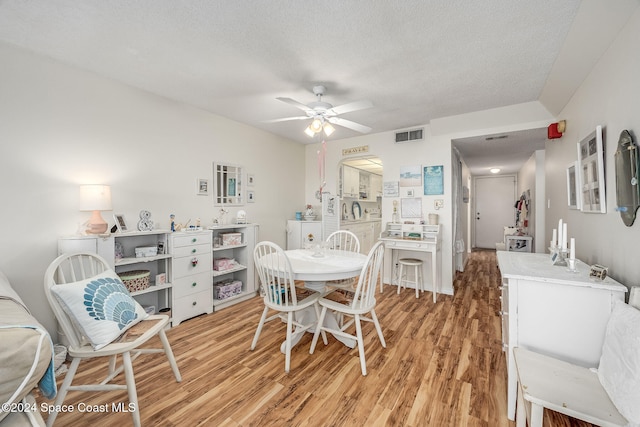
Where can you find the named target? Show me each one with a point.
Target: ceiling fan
(323, 114)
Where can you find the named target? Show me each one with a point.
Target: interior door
(495, 199)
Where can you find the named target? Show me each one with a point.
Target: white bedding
(26, 351)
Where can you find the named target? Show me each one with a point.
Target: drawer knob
(194, 240)
(194, 284)
(194, 261)
(194, 303)
(194, 250)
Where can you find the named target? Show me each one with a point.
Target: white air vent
(409, 135)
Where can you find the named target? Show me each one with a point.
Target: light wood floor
(443, 366)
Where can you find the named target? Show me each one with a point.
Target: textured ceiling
(416, 60)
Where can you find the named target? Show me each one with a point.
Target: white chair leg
(363, 363)
(170, 356)
(400, 271)
(113, 361)
(378, 328)
(259, 329)
(287, 346)
(62, 393)
(314, 341)
(131, 387)
(316, 306)
(416, 276)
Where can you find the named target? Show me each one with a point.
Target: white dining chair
(344, 240)
(91, 275)
(363, 303)
(279, 290)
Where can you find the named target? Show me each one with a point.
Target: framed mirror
(227, 185)
(627, 193)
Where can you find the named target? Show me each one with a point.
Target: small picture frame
(251, 179)
(202, 188)
(121, 223)
(161, 279)
(251, 198)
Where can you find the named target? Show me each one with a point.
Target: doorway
(495, 199)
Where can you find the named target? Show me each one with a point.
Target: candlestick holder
(571, 263)
(558, 256)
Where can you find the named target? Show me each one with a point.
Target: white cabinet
(552, 311)
(191, 274)
(119, 251)
(302, 233)
(367, 233)
(350, 182)
(375, 186)
(237, 258)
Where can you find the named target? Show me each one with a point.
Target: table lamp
(95, 198)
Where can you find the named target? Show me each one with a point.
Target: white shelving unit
(157, 295)
(242, 254)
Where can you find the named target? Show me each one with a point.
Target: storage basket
(227, 289)
(231, 239)
(136, 280)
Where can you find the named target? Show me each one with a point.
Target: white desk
(398, 237)
(552, 311)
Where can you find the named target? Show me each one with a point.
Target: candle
(560, 233)
(554, 238)
(572, 253)
(564, 236)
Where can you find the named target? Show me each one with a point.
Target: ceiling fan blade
(295, 104)
(352, 106)
(349, 124)
(286, 119)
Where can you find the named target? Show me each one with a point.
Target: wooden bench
(545, 382)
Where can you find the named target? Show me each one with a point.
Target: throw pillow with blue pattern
(100, 307)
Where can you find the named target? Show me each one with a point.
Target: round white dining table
(315, 267)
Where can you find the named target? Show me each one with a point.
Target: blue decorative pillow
(100, 307)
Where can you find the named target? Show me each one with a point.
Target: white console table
(550, 310)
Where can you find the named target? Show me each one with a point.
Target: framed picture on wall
(433, 180)
(573, 186)
(591, 173)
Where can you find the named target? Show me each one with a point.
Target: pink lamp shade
(95, 198)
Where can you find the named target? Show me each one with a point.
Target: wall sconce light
(95, 198)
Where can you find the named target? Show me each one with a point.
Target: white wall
(61, 127)
(393, 156)
(608, 97)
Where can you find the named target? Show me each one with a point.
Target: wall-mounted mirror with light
(627, 193)
(227, 185)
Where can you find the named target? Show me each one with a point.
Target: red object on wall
(553, 132)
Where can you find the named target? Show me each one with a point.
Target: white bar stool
(417, 274)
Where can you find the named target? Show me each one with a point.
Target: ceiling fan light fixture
(309, 131)
(328, 129)
(316, 125)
